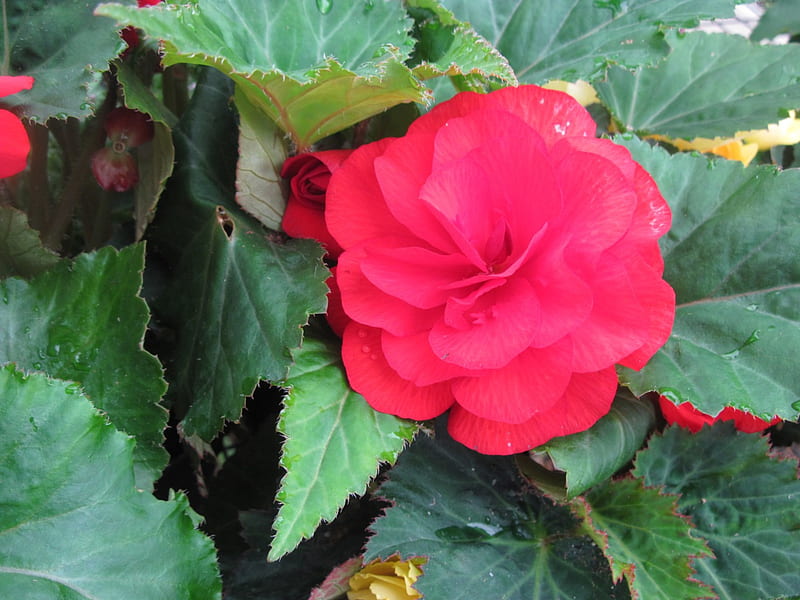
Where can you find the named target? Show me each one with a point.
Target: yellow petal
(386, 580)
(581, 90)
(785, 132)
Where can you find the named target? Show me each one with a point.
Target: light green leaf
(596, 454)
(731, 258)
(644, 539)
(314, 72)
(335, 443)
(262, 150)
(156, 159)
(484, 533)
(84, 321)
(21, 250)
(446, 46)
(578, 39)
(781, 17)
(73, 526)
(742, 502)
(710, 85)
(241, 301)
(65, 48)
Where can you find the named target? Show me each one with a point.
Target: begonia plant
(394, 299)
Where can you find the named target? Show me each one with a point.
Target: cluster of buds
(114, 167)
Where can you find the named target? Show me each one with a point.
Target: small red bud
(129, 127)
(114, 171)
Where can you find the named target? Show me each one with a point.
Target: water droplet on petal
(366, 349)
(362, 333)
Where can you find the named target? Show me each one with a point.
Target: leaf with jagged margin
(21, 251)
(242, 300)
(731, 257)
(484, 532)
(314, 72)
(710, 85)
(594, 455)
(73, 525)
(262, 150)
(84, 321)
(335, 443)
(446, 46)
(580, 38)
(740, 500)
(644, 539)
(65, 48)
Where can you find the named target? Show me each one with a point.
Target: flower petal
(411, 356)
(587, 398)
(384, 390)
(11, 84)
(495, 328)
(354, 209)
(14, 144)
(530, 384)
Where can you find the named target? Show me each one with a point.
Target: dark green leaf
(743, 503)
(334, 444)
(314, 72)
(483, 533)
(731, 258)
(578, 39)
(644, 539)
(596, 454)
(240, 300)
(73, 526)
(21, 250)
(84, 321)
(65, 47)
(710, 85)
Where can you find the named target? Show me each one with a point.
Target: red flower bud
(308, 176)
(128, 128)
(114, 171)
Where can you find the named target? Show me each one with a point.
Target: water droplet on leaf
(324, 6)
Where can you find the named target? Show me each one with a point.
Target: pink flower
(14, 142)
(308, 176)
(687, 416)
(498, 261)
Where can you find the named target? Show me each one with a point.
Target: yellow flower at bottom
(386, 580)
(785, 132)
(730, 148)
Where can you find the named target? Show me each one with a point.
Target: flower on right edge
(499, 261)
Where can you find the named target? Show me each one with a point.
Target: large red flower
(14, 143)
(498, 261)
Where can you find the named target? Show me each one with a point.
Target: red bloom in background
(308, 176)
(14, 142)
(498, 261)
(687, 416)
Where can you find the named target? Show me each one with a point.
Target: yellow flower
(582, 91)
(386, 580)
(785, 132)
(730, 148)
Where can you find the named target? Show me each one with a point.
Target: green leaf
(65, 48)
(578, 39)
(731, 258)
(742, 502)
(644, 539)
(262, 150)
(485, 535)
(446, 46)
(781, 16)
(84, 321)
(73, 526)
(314, 72)
(21, 250)
(155, 159)
(710, 85)
(335, 443)
(596, 454)
(240, 300)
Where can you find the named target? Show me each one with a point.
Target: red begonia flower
(114, 171)
(688, 417)
(128, 128)
(308, 176)
(498, 261)
(337, 319)
(14, 142)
